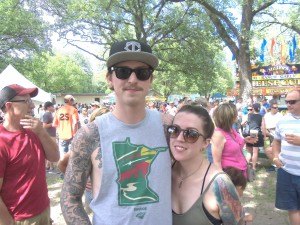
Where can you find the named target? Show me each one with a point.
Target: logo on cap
(133, 46)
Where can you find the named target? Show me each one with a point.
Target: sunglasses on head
(291, 102)
(189, 135)
(124, 73)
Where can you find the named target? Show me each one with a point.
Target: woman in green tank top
(201, 193)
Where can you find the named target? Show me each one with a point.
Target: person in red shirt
(24, 146)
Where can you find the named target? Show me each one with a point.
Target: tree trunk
(244, 70)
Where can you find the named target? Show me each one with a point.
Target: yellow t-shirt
(66, 122)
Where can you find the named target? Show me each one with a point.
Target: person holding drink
(286, 150)
(257, 130)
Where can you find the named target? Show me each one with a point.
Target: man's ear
(109, 81)
(7, 106)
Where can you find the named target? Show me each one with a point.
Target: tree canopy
(184, 41)
(22, 31)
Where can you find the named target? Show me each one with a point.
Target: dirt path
(258, 199)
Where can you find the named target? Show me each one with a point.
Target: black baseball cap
(48, 104)
(131, 50)
(9, 92)
(256, 106)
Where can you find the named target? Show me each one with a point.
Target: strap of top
(215, 176)
(205, 178)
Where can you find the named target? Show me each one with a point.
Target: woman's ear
(207, 142)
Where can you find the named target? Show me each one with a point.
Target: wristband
(274, 159)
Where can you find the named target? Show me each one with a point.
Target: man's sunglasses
(189, 135)
(124, 73)
(249, 109)
(291, 102)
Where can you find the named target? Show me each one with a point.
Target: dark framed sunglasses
(249, 109)
(291, 102)
(189, 135)
(124, 73)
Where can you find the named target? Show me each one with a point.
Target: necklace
(185, 177)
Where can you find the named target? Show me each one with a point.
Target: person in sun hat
(94, 105)
(124, 151)
(24, 146)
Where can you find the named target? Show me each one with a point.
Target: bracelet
(274, 159)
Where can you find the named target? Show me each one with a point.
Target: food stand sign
(279, 79)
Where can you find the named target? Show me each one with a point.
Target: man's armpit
(230, 207)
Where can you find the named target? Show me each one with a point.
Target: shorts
(41, 219)
(64, 147)
(287, 191)
(259, 143)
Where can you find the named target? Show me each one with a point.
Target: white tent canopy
(11, 76)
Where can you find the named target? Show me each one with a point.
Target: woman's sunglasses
(189, 135)
(124, 73)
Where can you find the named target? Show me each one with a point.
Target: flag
(283, 51)
(272, 47)
(294, 44)
(291, 51)
(262, 50)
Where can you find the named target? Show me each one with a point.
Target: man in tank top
(124, 151)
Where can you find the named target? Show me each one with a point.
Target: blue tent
(218, 95)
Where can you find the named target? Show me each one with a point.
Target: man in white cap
(24, 146)
(66, 121)
(125, 151)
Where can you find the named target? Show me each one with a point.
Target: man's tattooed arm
(230, 207)
(79, 167)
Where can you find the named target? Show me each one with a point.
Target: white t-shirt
(272, 119)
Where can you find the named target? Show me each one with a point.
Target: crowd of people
(143, 162)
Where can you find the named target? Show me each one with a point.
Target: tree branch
(263, 7)
(221, 15)
(86, 51)
(223, 33)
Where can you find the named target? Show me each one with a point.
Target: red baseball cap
(13, 90)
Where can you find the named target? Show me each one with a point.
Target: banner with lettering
(278, 79)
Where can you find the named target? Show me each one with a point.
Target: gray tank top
(196, 214)
(136, 180)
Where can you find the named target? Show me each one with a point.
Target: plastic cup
(253, 133)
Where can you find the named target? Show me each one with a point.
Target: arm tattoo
(231, 209)
(84, 143)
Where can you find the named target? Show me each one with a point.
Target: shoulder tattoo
(231, 210)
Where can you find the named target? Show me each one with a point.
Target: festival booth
(11, 76)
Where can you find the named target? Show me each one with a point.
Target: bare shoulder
(218, 137)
